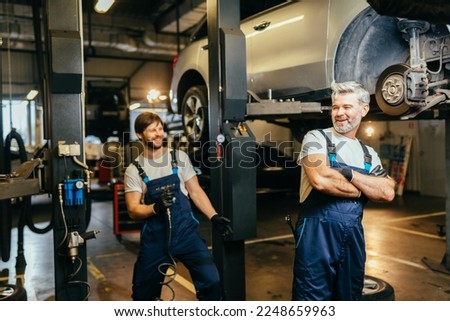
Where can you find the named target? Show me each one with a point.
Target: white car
(297, 48)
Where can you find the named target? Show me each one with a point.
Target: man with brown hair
(158, 188)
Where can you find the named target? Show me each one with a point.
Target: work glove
(222, 225)
(346, 172)
(378, 171)
(165, 201)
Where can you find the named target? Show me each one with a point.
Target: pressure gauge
(220, 138)
(79, 184)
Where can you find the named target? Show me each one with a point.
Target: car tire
(11, 292)
(194, 110)
(376, 289)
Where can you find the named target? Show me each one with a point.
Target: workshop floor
(404, 248)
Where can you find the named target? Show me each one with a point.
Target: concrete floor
(403, 245)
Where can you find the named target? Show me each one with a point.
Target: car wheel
(390, 90)
(10, 292)
(194, 111)
(376, 289)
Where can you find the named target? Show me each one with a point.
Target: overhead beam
(167, 22)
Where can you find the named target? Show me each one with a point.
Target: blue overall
(175, 236)
(330, 247)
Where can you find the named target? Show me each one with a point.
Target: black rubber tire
(194, 110)
(11, 292)
(376, 289)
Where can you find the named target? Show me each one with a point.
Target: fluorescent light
(134, 106)
(103, 6)
(32, 94)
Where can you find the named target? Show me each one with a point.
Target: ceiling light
(370, 131)
(152, 95)
(32, 94)
(134, 106)
(102, 6)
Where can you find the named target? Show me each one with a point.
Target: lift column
(65, 130)
(233, 172)
(446, 259)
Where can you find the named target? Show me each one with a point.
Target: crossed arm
(330, 181)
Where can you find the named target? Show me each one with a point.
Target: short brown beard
(152, 146)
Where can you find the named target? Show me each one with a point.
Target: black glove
(165, 201)
(346, 172)
(378, 171)
(222, 225)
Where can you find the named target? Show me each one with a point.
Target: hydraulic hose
(6, 214)
(28, 213)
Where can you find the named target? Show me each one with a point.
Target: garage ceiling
(134, 29)
(132, 36)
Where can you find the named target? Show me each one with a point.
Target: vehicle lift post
(232, 145)
(65, 123)
(446, 260)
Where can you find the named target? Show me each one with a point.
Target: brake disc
(390, 90)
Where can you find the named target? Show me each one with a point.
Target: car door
(286, 48)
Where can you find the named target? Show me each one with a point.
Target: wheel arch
(189, 79)
(369, 45)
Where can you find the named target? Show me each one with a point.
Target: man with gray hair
(339, 174)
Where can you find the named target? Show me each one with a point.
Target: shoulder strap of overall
(174, 162)
(141, 172)
(144, 176)
(331, 148)
(367, 158)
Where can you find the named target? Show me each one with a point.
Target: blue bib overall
(164, 237)
(330, 247)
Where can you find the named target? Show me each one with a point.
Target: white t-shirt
(157, 168)
(348, 151)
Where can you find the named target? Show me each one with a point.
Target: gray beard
(348, 127)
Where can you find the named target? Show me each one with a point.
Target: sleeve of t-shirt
(133, 182)
(187, 170)
(313, 143)
(375, 158)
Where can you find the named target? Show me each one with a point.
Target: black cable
(173, 265)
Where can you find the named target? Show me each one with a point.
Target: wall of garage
(19, 74)
(141, 76)
(426, 167)
(133, 78)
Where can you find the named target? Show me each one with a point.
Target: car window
(252, 7)
(249, 8)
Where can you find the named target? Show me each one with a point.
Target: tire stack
(10, 292)
(376, 289)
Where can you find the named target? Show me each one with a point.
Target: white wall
(272, 135)
(432, 157)
(426, 169)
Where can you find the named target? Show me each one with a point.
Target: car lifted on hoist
(295, 49)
